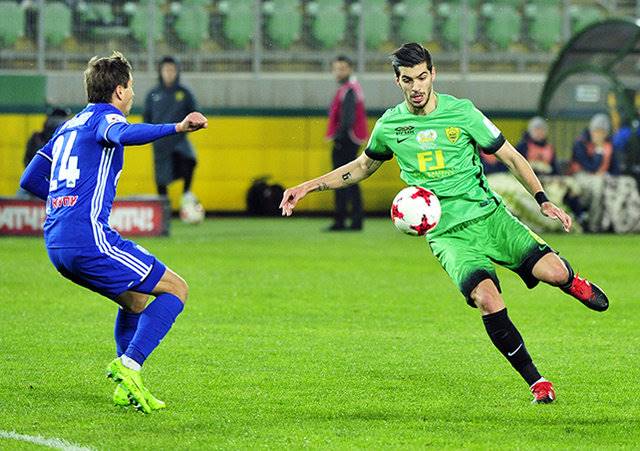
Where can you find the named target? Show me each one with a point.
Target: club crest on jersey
(427, 138)
(453, 134)
(179, 96)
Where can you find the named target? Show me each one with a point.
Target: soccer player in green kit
(436, 139)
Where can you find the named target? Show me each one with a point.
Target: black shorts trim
(473, 280)
(525, 270)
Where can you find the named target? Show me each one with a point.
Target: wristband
(541, 197)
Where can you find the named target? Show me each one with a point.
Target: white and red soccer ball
(415, 211)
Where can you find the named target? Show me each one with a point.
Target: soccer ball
(415, 211)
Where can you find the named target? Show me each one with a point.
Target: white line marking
(49, 442)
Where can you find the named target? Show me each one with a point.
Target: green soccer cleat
(131, 381)
(154, 403)
(121, 398)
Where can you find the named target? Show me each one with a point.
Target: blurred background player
(173, 156)
(475, 229)
(77, 172)
(347, 128)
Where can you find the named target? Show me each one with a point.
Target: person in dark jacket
(347, 128)
(174, 156)
(55, 117)
(593, 151)
(537, 149)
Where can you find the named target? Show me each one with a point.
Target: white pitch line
(55, 443)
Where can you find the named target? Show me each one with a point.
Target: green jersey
(440, 152)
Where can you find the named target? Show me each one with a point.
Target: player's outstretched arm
(521, 169)
(121, 132)
(192, 122)
(349, 174)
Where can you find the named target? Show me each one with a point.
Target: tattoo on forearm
(322, 187)
(346, 176)
(372, 165)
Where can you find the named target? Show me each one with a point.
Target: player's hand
(192, 122)
(290, 198)
(550, 210)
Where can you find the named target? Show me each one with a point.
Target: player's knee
(487, 299)
(556, 273)
(181, 289)
(138, 305)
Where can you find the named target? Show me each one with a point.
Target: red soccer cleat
(543, 392)
(588, 293)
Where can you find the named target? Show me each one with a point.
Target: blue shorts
(122, 266)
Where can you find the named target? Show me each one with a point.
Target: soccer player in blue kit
(77, 172)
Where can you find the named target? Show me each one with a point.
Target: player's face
(417, 86)
(127, 97)
(169, 73)
(341, 71)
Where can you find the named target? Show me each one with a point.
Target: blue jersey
(86, 156)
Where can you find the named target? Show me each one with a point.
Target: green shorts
(468, 251)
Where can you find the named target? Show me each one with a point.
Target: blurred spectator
(491, 164)
(626, 148)
(348, 129)
(535, 147)
(593, 150)
(174, 156)
(55, 117)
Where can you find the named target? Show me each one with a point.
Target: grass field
(294, 338)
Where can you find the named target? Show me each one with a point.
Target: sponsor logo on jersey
(404, 133)
(427, 138)
(453, 134)
(113, 118)
(63, 201)
(407, 130)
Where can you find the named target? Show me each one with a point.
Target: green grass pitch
(293, 338)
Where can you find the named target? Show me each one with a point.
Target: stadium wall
(232, 152)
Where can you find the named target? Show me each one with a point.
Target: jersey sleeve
(377, 148)
(483, 131)
(35, 178)
(105, 123)
(114, 129)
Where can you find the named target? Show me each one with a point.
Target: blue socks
(126, 325)
(155, 321)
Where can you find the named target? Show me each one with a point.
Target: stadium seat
(377, 23)
(192, 25)
(284, 23)
(329, 22)
(140, 24)
(96, 12)
(545, 24)
(583, 16)
(12, 23)
(57, 23)
(239, 21)
(452, 31)
(503, 23)
(415, 21)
